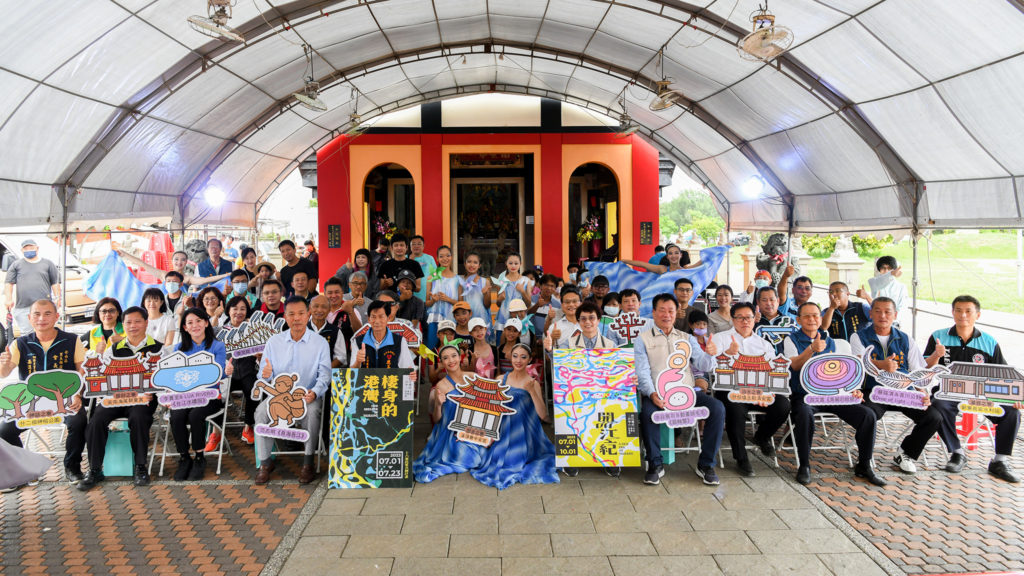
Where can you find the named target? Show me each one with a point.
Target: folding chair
(908, 424)
(751, 415)
(824, 419)
(164, 420)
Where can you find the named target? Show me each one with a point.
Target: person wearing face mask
(887, 270)
(611, 306)
(630, 303)
(173, 281)
(240, 287)
(762, 279)
(35, 278)
(698, 322)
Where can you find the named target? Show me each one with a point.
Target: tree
(688, 209)
(13, 397)
(56, 385)
(707, 228)
(667, 226)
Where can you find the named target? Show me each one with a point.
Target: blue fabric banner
(648, 284)
(113, 278)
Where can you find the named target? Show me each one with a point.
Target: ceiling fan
(626, 125)
(355, 121)
(666, 97)
(214, 24)
(310, 94)
(766, 41)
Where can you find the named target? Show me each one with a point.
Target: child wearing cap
(510, 337)
(481, 355)
(462, 313)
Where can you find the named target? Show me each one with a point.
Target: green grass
(983, 265)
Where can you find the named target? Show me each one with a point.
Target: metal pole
(1020, 263)
(913, 286)
(64, 257)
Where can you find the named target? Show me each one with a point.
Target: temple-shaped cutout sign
(752, 379)
(481, 407)
(675, 387)
(120, 381)
(286, 406)
(400, 327)
(43, 399)
(980, 388)
(251, 336)
(830, 379)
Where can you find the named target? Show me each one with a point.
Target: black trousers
(140, 420)
(860, 416)
(926, 424)
(245, 384)
(736, 421)
(195, 419)
(1007, 426)
(325, 419)
(73, 446)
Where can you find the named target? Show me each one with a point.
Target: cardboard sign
(899, 389)
(371, 429)
(482, 405)
(627, 325)
(752, 379)
(286, 406)
(187, 379)
(774, 334)
(830, 379)
(401, 328)
(250, 337)
(980, 388)
(43, 399)
(675, 386)
(120, 381)
(596, 420)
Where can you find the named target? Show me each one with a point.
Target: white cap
(517, 305)
(514, 323)
(446, 325)
(474, 322)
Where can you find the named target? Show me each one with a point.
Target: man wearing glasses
(741, 339)
(684, 293)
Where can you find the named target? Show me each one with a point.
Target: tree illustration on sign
(56, 385)
(14, 397)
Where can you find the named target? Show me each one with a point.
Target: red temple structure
(481, 406)
(119, 375)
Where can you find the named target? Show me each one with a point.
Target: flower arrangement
(384, 227)
(589, 230)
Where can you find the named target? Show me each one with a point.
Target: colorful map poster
(596, 422)
(371, 428)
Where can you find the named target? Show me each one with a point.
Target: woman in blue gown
(476, 290)
(523, 454)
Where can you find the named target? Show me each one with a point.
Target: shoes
(613, 471)
(570, 471)
(263, 474)
(214, 442)
(905, 463)
(141, 475)
(306, 474)
(745, 468)
(247, 435)
(184, 468)
(865, 471)
(91, 479)
(707, 474)
(9, 490)
(803, 475)
(198, 467)
(956, 463)
(765, 446)
(654, 474)
(1002, 471)
(73, 476)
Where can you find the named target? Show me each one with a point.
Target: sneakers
(803, 475)
(91, 479)
(141, 475)
(247, 435)
(956, 463)
(745, 468)
(214, 442)
(654, 474)
(707, 474)
(613, 471)
(865, 471)
(198, 467)
(73, 476)
(184, 468)
(1002, 471)
(905, 463)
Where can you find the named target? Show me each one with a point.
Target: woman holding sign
(195, 335)
(444, 453)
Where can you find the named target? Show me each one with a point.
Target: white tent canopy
(884, 114)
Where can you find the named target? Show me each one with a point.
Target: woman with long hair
(188, 425)
(721, 320)
(442, 293)
(108, 329)
(675, 259)
(516, 286)
(161, 326)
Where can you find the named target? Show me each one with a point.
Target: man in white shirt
(741, 339)
(565, 327)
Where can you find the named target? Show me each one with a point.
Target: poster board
(372, 412)
(595, 414)
(43, 399)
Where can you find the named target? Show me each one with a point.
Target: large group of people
(498, 328)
